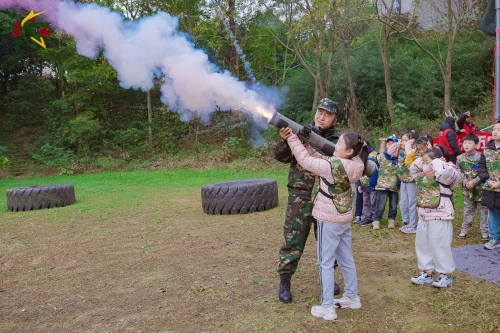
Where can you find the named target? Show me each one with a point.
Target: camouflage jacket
(403, 169)
(429, 192)
(387, 174)
(470, 171)
(493, 165)
(365, 180)
(340, 192)
(300, 181)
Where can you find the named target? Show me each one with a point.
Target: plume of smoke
(152, 47)
(248, 68)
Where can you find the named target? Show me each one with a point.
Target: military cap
(329, 105)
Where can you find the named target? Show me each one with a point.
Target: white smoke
(152, 47)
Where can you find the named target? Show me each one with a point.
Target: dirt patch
(160, 264)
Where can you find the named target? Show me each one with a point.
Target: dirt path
(161, 265)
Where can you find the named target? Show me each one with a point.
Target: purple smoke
(152, 47)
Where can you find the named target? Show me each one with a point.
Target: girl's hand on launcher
(286, 133)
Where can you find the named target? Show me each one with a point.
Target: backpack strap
(327, 183)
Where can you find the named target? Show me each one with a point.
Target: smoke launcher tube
(314, 140)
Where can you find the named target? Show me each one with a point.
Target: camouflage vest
(340, 192)
(470, 171)
(403, 170)
(387, 174)
(493, 165)
(365, 180)
(429, 194)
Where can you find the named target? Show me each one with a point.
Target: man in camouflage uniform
(472, 186)
(299, 217)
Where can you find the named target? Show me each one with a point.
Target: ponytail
(359, 144)
(445, 152)
(438, 152)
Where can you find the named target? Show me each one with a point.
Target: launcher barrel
(314, 140)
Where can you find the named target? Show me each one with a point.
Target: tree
(385, 6)
(311, 29)
(446, 17)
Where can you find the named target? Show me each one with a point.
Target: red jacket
(443, 140)
(462, 124)
(471, 129)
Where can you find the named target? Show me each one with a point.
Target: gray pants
(408, 204)
(334, 243)
(369, 201)
(469, 213)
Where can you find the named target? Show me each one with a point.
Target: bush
(4, 161)
(51, 156)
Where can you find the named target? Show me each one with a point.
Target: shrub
(51, 156)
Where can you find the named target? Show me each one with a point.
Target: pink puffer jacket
(448, 174)
(324, 209)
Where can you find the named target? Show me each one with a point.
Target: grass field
(136, 253)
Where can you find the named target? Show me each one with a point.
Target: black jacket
(452, 139)
(491, 199)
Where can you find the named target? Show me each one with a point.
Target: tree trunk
(353, 108)
(316, 94)
(150, 119)
(232, 49)
(447, 74)
(387, 76)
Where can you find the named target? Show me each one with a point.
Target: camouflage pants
(470, 213)
(298, 223)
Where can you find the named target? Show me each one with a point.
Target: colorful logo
(26, 30)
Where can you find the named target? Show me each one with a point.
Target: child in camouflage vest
(387, 184)
(408, 203)
(472, 186)
(366, 186)
(489, 172)
(333, 208)
(435, 230)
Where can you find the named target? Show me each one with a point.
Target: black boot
(285, 294)
(336, 289)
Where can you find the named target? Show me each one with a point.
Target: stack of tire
(40, 197)
(239, 196)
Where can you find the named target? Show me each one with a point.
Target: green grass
(107, 190)
(136, 251)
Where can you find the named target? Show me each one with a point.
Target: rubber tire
(239, 196)
(40, 197)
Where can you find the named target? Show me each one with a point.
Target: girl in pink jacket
(435, 208)
(333, 203)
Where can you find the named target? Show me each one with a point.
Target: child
(367, 187)
(387, 184)
(435, 208)
(332, 200)
(359, 207)
(489, 172)
(422, 144)
(408, 203)
(472, 186)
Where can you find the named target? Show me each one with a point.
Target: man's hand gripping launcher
(308, 135)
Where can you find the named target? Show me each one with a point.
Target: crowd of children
(426, 177)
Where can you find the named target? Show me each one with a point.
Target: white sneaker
(347, 302)
(409, 230)
(325, 313)
(443, 281)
